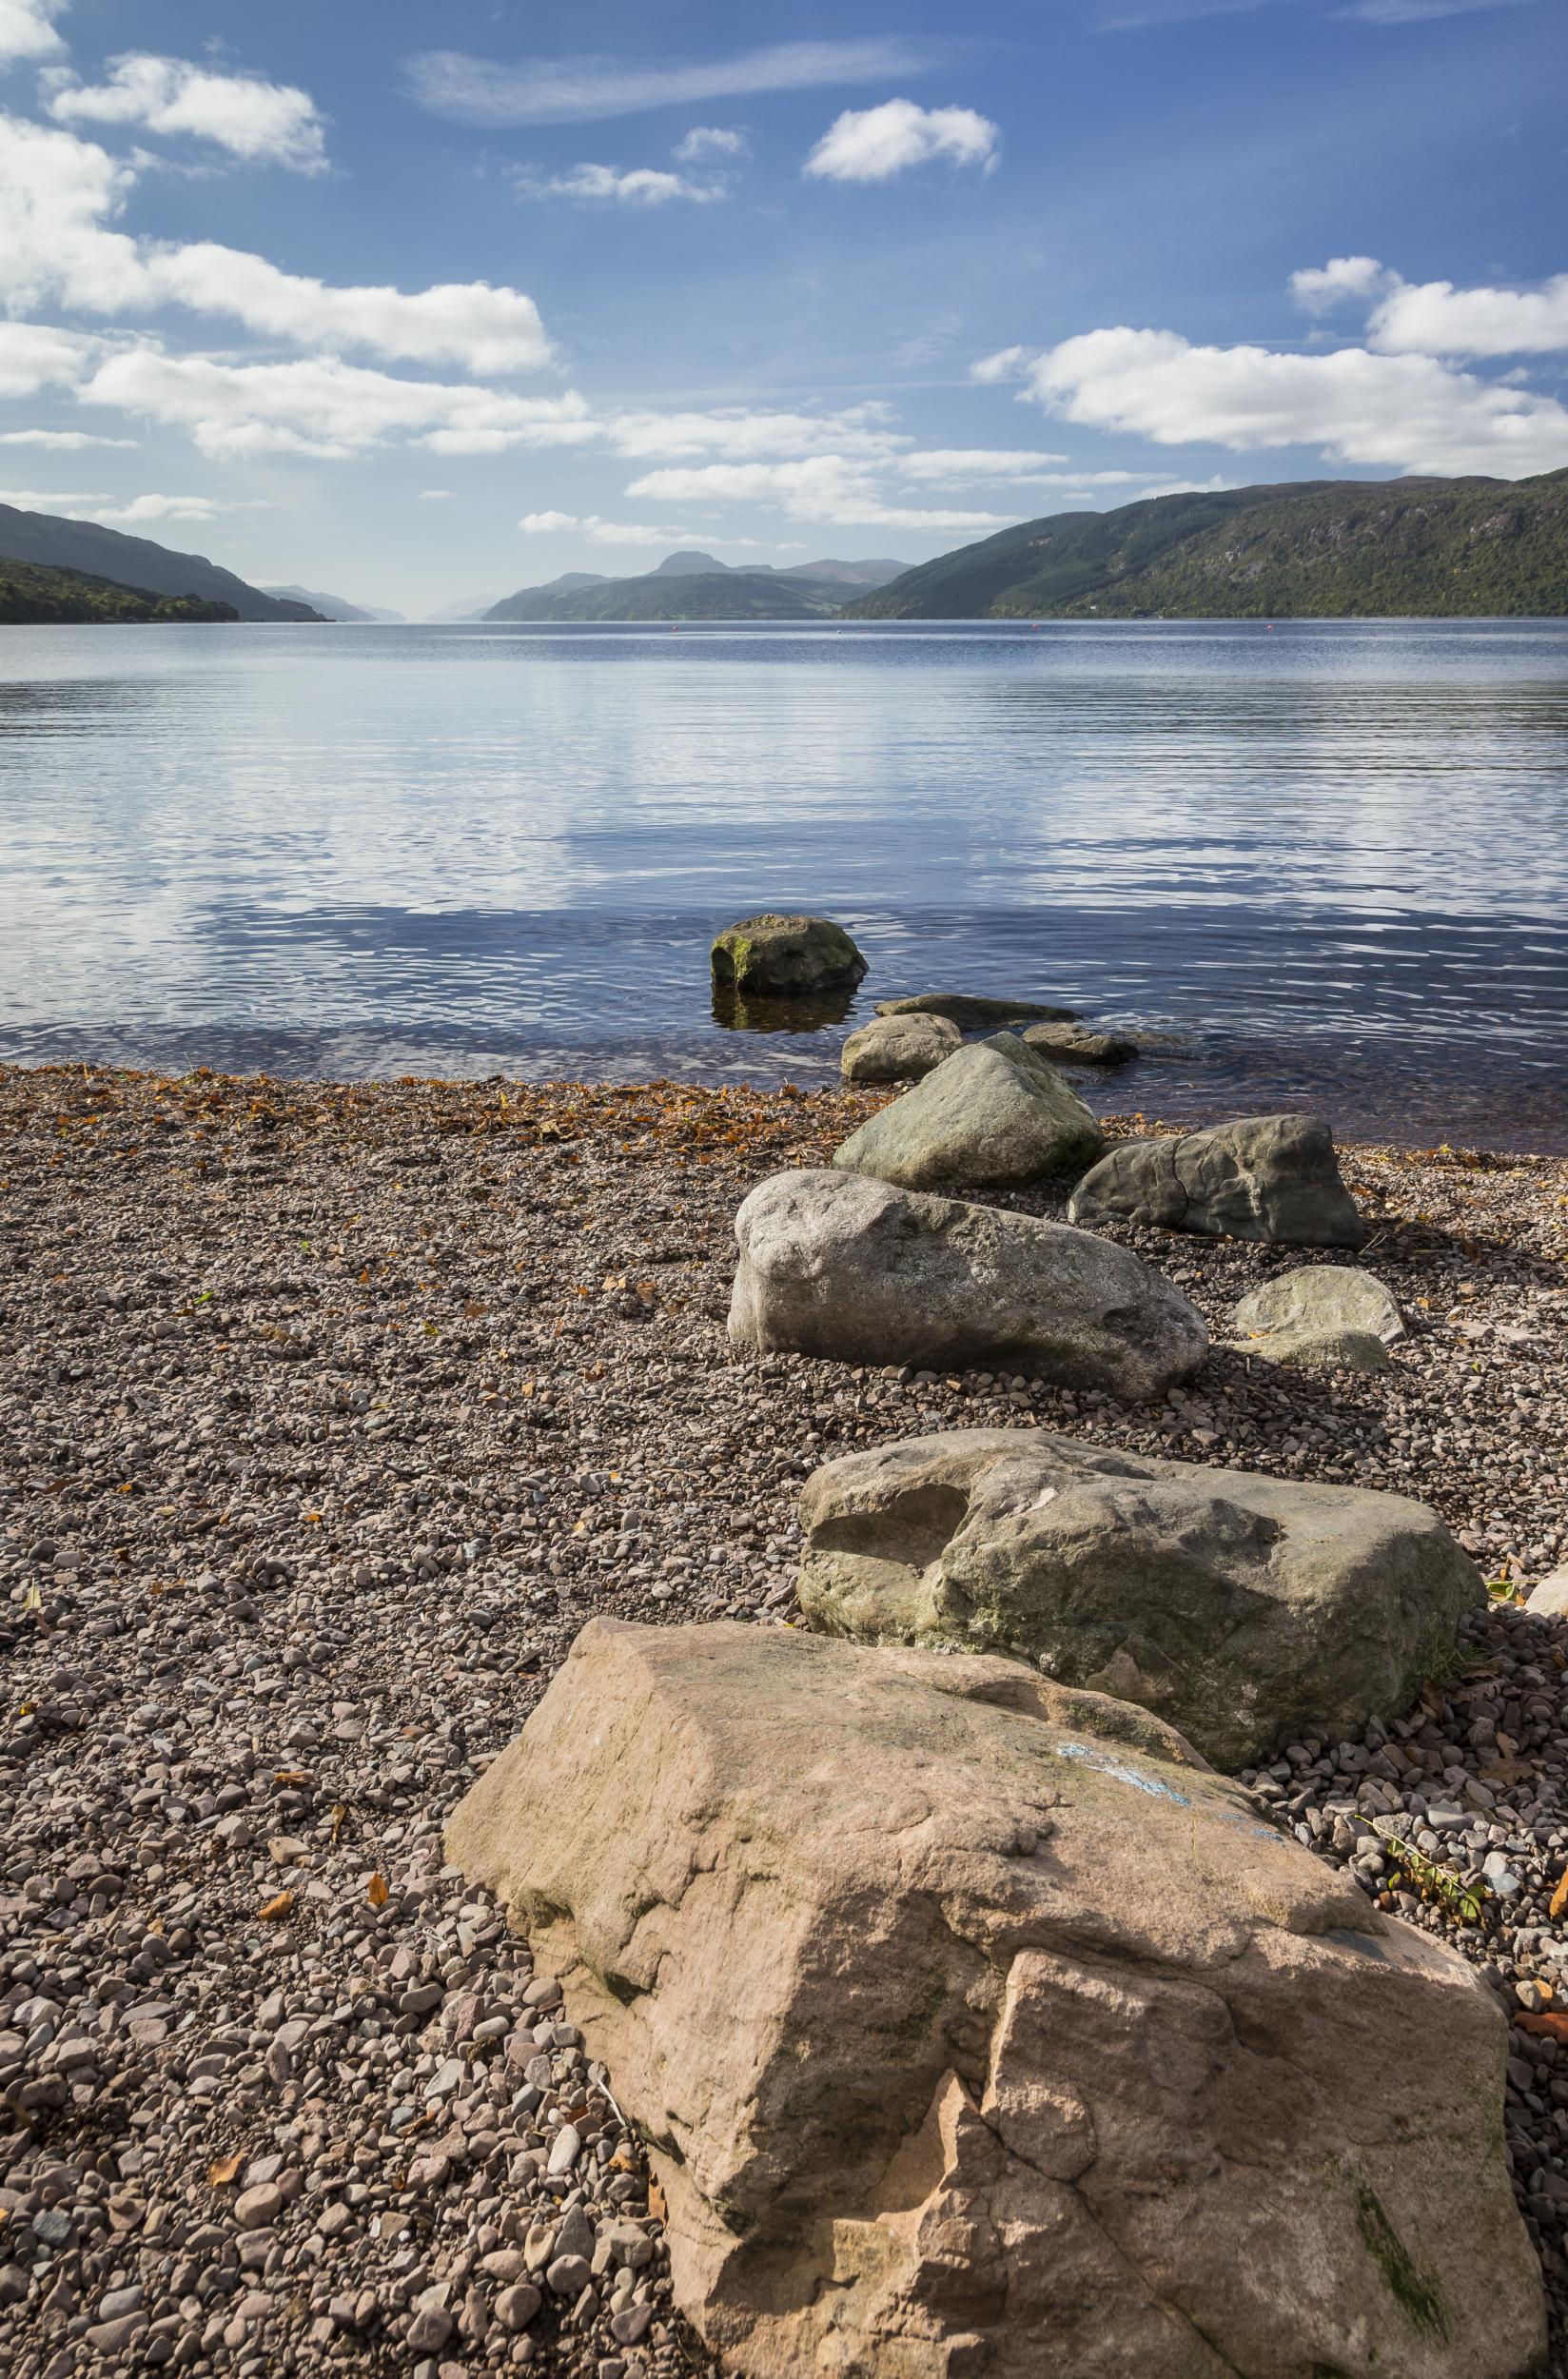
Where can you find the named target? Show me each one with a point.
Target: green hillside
(727, 595)
(30, 593)
(1308, 549)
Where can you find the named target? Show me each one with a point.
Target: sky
(419, 306)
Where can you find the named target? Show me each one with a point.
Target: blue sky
(413, 303)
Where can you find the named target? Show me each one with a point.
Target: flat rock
(839, 1264)
(1245, 1610)
(971, 1012)
(1266, 1178)
(974, 2029)
(991, 1117)
(1317, 1349)
(1549, 1599)
(897, 1049)
(777, 957)
(1322, 1297)
(1074, 1045)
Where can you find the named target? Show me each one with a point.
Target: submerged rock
(974, 2029)
(839, 1264)
(1244, 1610)
(991, 1117)
(972, 1012)
(777, 957)
(897, 1049)
(1268, 1177)
(1074, 1045)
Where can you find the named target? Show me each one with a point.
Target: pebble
(330, 1396)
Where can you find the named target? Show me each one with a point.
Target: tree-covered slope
(728, 595)
(30, 594)
(1308, 549)
(50, 542)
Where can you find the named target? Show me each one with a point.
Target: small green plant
(1431, 1883)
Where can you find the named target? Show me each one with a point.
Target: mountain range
(1307, 550)
(696, 586)
(52, 542)
(32, 596)
(333, 607)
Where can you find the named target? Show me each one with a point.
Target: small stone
(516, 2306)
(258, 2208)
(568, 2276)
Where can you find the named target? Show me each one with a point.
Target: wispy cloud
(1421, 11)
(710, 140)
(60, 441)
(586, 88)
(612, 185)
(601, 532)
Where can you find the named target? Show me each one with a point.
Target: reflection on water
(1329, 861)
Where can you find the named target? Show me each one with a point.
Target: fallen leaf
(227, 2169)
(658, 2205)
(376, 1891)
(1559, 1898)
(1543, 2027)
(276, 1910)
(340, 1811)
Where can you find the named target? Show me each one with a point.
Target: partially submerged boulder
(1268, 1177)
(1075, 1045)
(972, 1012)
(1245, 1610)
(991, 1117)
(974, 2030)
(897, 1049)
(782, 957)
(839, 1264)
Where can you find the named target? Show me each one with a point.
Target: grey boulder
(972, 1011)
(783, 957)
(1266, 1178)
(839, 1264)
(1323, 1298)
(991, 1117)
(897, 1049)
(1243, 1610)
(1075, 1045)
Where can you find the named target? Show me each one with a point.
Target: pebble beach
(329, 1414)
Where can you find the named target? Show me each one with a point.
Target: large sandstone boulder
(977, 2033)
(785, 957)
(1245, 1610)
(1269, 1177)
(991, 1117)
(972, 1011)
(897, 1049)
(838, 1265)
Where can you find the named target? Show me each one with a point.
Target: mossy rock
(786, 957)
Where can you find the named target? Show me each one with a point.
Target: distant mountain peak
(688, 565)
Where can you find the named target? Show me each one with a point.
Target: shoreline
(335, 1411)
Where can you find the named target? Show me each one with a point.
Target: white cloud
(740, 434)
(1435, 318)
(950, 467)
(60, 441)
(585, 89)
(872, 144)
(49, 499)
(27, 30)
(601, 532)
(708, 139)
(263, 122)
(643, 186)
(136, 511)
(34, 357)
(1408, 412)
(1324, 286)
(58, 193)
(319, 406)
(1006, 364)
(547, 523)
(1418, 12)
(821, 487)
(435, 494)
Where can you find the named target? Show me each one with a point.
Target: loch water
(1326, 861)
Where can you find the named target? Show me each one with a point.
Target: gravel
(330, 1413)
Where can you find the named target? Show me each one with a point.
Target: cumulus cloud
(950, 467)
(33, 355)
(60, 441)
(1435, 318)
(263, 122)
(872, 144)
(585, 89)
(820, 487)
(322, 407)
(601, 532)
(27, 30)
(708, 139)
(643, 185)
(1408, 412)
(58, 195)
(1324, 286)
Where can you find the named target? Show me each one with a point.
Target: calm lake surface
(1329, 860)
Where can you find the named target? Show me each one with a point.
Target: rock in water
(897, 1049)
(838, 1265)
(1322, 1297)
(972, 1012)
(1245, 1610)
(786, 957)
(1270, 1177)
(992, 1116)
(1074, 1044)
(974, 2030)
